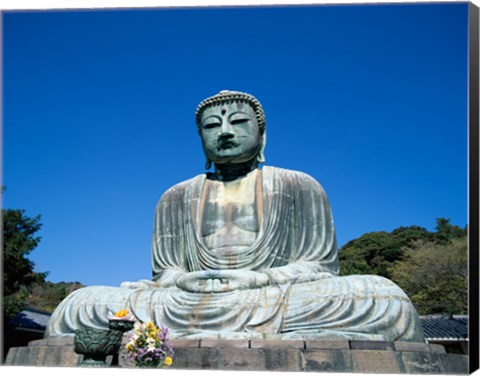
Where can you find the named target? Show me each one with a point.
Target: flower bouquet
(148, 346)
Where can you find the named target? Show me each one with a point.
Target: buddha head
(232, 127)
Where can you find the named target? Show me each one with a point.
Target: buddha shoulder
(300, 180)
(178, 191)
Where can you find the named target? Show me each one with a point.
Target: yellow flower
(121, 313)
(150, 326)
(168, 361)
(138, 327)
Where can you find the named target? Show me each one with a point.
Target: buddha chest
(229, 219)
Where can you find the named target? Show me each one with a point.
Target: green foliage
(14, 303)
(447, 232)
(434, 276)
(375, 252)
(47, 295)
(18, 271)
(430, 267)
(22, 286)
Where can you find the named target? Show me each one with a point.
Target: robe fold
(295, 247)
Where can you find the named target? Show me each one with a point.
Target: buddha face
(230, 133)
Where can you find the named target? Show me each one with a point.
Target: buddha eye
(211, 121)
(212, 124)
(239, 120)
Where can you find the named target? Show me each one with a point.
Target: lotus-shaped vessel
(95, 345)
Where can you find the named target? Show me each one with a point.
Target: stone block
(281, 359)
(35, 355)
(11, 355)
(421, 362)
(38, 342)
(61, 357)
(454, 363)
(371, 345)
(375, 361)
(437, 348)
(239, 359)
(60, 341)
(412, 346)
(192, 358)
(185, 343)
(327, 345)
(54, 341)
(284, 344)
(218, 359)
(223, 343)
(327, 361)
(19, 356)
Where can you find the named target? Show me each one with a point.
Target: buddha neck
(229, 172)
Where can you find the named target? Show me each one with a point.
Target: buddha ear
(261, 154)
(208, 164)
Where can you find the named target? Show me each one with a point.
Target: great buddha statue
(246, 252)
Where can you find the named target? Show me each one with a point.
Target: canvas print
(149, 222)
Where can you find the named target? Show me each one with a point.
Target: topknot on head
(228, 96)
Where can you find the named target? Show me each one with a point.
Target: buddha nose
(226, 130)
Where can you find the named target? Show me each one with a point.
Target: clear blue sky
(99, 117)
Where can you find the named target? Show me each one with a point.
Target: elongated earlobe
(261, 152)
(208, 164)
(260, 157)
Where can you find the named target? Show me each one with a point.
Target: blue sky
(98, 116)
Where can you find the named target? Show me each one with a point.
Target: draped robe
(295, 247)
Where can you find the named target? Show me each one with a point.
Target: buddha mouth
(228, 144)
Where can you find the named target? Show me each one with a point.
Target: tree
(434, 276)
(431, 267)
(19, 240)
(365, 254)
(446, 232)
(47, 295)
(376, 252)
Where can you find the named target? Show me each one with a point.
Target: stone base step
(256, 355)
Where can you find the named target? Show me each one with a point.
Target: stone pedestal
(256, 355)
